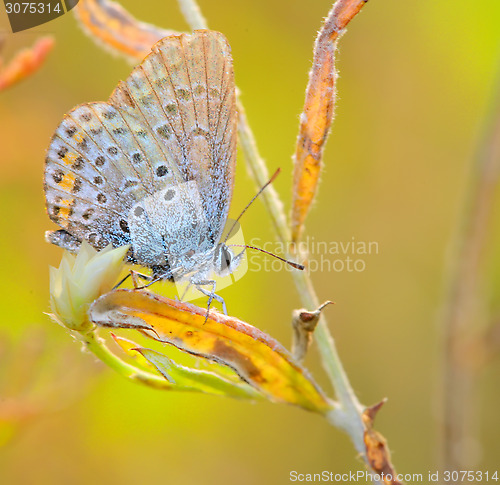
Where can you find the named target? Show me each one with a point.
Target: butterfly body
(153, 166)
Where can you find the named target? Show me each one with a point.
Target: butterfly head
(226, 260)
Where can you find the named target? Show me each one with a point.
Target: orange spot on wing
(65, 212)
(78, 137)
(68, 182)
(70, 158)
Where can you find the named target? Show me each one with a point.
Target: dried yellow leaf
(256, 357)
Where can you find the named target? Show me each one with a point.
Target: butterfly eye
(226, 258)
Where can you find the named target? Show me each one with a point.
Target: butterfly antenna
(270, 181)
(291, 263)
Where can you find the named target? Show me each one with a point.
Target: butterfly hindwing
(94, 173)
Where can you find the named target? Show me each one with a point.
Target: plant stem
(258, 171)
(350, 408)
(463, 280)
(348, 415)
(192, 14)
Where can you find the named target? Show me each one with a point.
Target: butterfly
(153, 166)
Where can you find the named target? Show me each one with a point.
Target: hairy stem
(459, 323)
(348, 414)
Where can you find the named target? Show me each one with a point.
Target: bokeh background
(416, 84)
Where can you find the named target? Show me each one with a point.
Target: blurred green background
(416, 83)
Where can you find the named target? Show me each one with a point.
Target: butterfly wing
(173, 120)
(94, 170)
(184, 92)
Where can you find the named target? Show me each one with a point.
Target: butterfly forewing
(184, 92)
(172, 121)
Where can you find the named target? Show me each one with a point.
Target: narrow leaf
(25, 62)
(377, 450)
(130, 348)
(317, 117)
(257, 358)
(111, 26)
(195, 379)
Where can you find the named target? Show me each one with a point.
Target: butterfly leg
(135, 275)
(211, 294)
